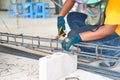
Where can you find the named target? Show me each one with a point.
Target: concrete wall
(4, 4)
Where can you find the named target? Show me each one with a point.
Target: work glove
(70, 40)
(61, 25)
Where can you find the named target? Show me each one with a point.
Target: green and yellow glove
(61, 26)
(70, 40)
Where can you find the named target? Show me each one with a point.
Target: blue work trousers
(76, 22)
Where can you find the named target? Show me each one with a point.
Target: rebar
(20, 40)
(53, 45)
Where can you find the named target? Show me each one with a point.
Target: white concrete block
(56, 66)
(84, 75)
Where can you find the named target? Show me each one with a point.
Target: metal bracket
(72, 78)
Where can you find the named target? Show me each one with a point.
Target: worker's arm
(98, 34)
(60, 20)
(102, 32)
(66, 7)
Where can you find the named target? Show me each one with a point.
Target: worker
(107, 34)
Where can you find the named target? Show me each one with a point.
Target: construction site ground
(17, 62)
(23, 66)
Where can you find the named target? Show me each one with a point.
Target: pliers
(61, 33)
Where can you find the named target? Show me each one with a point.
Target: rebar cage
(85, 59)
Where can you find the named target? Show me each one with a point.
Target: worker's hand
(70, 40)
(61, 23)
(61, 26)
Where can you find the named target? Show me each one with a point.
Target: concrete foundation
(56, 66)
(62, 66)
(84, 75)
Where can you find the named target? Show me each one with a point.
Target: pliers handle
(61, 33)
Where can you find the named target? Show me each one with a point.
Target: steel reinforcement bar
(54, 45)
